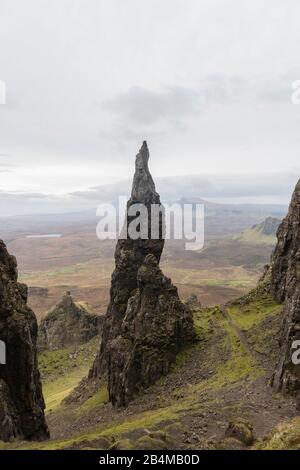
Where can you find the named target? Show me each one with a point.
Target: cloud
(24, 203)
(203, 186)
(140, 111)
(7, 165)
(16, 195)
(260, 188)
(201, 87)
(144, 106)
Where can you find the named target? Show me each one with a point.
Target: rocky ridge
(21, 399)
(269, 226)
(285, 287)
(68, 324)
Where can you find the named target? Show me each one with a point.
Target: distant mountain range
(263, 188)
(263, 233)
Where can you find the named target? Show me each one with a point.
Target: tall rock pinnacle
(285, 287)
(21, 399)
(143, 188)
(146, 324)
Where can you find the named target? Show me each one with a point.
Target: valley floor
(224, 376)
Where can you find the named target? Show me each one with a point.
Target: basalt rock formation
(68, 324)
(146, 324)
(285, 287)
(21, 399)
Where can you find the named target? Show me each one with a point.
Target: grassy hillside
(284, 436)
(222, 377)
(222, 271)
(263, 233)
(63, 369)
(78, 262)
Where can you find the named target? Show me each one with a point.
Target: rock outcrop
(69, 323)
(263, 233)
(193, 302)
(285, 287)
(21, 399)
(268, 227)
(240, 430)
(146, 324)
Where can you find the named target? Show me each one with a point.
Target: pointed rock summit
(285, 287)
(69, 323)
(146, 324)
(143, 188)
(21, 399)
(269, 226)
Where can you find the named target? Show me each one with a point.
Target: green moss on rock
(150, 443)
(241, 430)
(286, 436)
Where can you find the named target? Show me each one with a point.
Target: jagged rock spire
(146, 324)
(69, 323)
(21, 399)
(285, 287)
(143, 188)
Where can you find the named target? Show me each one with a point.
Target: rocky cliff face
(285, 287)
(21, 399)
(68, 324)
(146, 324)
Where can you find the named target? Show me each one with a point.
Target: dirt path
(218, 379)
(240, 334)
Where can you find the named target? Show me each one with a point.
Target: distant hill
(263, 233)
(227, 189)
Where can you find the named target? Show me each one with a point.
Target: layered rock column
(285, 287)
(21, 399)
(145, 324)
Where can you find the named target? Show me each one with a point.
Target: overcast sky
(206, 82)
